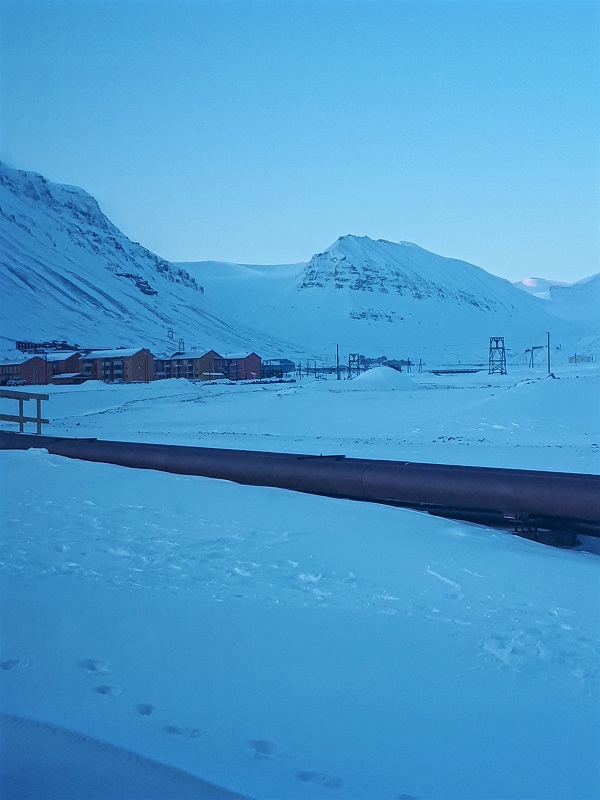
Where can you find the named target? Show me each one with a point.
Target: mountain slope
(68, 273)
(539, 287)
(579, 302)
(382, 298)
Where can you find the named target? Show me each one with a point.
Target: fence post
(21, 415)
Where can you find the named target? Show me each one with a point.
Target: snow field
(290, 646)
(500, 421)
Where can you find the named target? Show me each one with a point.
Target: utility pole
(337, 361)
(548, 346)
(531, 350)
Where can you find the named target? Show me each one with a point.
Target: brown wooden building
(34, 371)
(134, 365)
(239, 366)
(195, 366)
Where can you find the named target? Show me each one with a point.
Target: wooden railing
(20, 417)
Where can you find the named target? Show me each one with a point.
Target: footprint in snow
(261, 748)
(109, 691)
(175, 730)
(327, 781)
(145, 709)
(14, 663)
(93, 665)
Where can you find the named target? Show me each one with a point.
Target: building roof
(60, 356)
(10, 362)
(123, 353)
(236, 356)
(17, 362)
(187, 356)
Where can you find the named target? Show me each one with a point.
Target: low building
(64, 362)
(134, 365)
(239, 366)
(34, 371)
(277, 368)
(195, 366)
(69, 378)
(10, 371)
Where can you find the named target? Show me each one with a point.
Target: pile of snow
(68, 764)
(546, 404)
(381, 379)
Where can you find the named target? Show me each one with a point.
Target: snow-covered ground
(162, 631)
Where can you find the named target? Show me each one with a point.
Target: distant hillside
(540, 287)
(578, 303)
(381, 298)
(66, 272)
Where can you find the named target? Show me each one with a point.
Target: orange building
(239, 366)
(134, 365)
(195, 366)
(34, 370)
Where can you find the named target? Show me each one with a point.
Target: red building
(196, 366)
(64, 363)
(239, 366)
(134, 365)
(35, 370)
(10, 371)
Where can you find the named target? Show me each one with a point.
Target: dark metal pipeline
(556, 500)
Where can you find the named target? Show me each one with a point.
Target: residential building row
(137, 365)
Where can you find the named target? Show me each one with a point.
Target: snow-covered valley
(283, 645)
(67, 273)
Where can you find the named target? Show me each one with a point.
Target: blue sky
(261, 131)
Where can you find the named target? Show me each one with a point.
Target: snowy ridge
(361, 264)
(578, 302)
(69, 273)
(539, 287)
(383, 298)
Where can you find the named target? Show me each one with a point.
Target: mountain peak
(67, 272)
(59, 198)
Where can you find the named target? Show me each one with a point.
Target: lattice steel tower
(497, 355)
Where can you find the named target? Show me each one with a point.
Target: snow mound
(568, 403)
(383, 379)
(69, 764)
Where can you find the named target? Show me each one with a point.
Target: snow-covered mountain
(381, 298)
(66, 272)
(540, 287)
(579, 302)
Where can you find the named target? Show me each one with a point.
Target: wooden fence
(20, 417)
